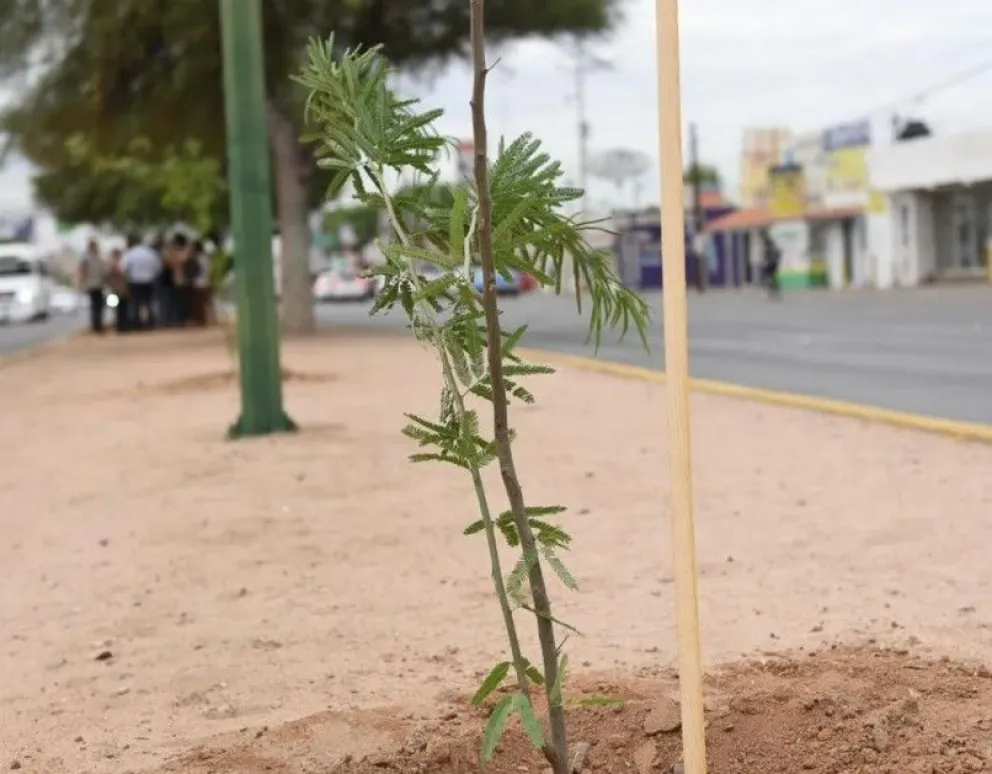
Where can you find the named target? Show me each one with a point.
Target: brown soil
(288, 603)
(843, 710)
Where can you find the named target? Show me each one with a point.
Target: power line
(956, 79)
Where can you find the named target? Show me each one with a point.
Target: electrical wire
(950, 82)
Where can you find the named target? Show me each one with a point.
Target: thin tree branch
(557, 752)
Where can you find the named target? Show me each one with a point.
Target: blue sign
(16, 229)
(853, 135)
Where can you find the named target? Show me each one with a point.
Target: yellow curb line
(963, 431)
(32, 351)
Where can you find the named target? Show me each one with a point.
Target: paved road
(926, 351)
(22, 335)
(923, 351)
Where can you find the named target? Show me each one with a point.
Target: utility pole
(583, 122)
(262, 409)
(698, 224)
(584, 63)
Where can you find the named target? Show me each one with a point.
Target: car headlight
(26, 297)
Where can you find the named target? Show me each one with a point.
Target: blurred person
(183, 274)
(91, 280)
(165, 283)
(141, 266)
(117, 283)
(770, 262)
(201, 282)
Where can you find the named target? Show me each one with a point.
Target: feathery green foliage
(362, 131)
(181, 184)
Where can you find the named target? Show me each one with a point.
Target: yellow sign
(788, 188)
(761, 150)
(846, 170)
(877, 202)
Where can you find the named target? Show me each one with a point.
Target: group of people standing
(162, 284)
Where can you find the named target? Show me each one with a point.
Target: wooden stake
(677, 385)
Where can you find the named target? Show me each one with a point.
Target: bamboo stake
(677, 385)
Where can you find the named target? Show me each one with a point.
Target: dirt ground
(308, 604)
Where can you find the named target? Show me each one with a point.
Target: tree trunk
(291, 175)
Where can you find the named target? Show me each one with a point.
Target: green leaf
(533, 673)
(555, 694)
(537, 511)
(528, 718)
(517, 578)
(435, 457)
(509, 531)
(566, 578)
(526, 369)
(458, 225)
(550, 535)
(495, 727)
(493, 681)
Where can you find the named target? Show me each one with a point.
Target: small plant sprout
(511, 220)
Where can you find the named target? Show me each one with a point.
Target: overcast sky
(803, 64)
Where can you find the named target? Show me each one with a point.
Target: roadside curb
(949, 428)
(37, 350)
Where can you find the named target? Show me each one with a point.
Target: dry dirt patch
(846, 710)
(312, 584)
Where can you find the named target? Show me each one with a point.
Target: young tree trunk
(291, 174)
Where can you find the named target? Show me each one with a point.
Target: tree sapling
(512, 220)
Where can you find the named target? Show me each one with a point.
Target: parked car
(25, 284)
(342, 285)
(527, 283)
(504, 287)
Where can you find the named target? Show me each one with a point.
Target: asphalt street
(15, 336)
(926, 351)
(923, 351)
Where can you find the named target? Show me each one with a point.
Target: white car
(339, 285)
(25, 284)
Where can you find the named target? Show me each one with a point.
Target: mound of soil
(837, 712)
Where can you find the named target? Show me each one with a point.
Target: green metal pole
(262, 409)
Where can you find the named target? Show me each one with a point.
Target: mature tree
(709, 175)
(120, 69)
(142, 188)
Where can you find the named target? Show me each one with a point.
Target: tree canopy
(708, 174)
(116, 70)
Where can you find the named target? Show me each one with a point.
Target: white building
(933, 219)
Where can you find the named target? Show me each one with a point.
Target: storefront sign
(845, 157)
(762, 149)
(853, 135)
(788, 191)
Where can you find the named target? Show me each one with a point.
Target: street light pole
(262, 409)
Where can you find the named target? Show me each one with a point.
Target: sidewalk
(164, 587)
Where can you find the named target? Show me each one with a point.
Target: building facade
(933, 221)
(813, 208)
(761, 150)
